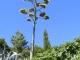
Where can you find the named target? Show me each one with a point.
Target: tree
(38, 49)
(2, 43)
(4, 48)
(33, 17)
(77, 39)
(25, 53)
(19, 42)
(46, 41)
(67, 51)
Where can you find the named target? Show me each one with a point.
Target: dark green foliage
(42, 14)
(2, 43)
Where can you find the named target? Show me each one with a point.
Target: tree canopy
(2, 43)
(46, 41)
(19, 42)
(67, 51)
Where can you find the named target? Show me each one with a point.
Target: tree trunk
(33, 34)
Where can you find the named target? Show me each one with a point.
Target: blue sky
(63, 25)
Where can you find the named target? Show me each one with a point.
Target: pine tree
(19, 43)
(46, 41)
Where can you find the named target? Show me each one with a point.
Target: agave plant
(33, 17)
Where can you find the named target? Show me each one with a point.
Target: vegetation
(19, 44)
(66, 51)
(33, 18)
(46, 41)
(2, 43)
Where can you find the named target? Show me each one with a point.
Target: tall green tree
(46, 41)
(19, 42)
(32, 16)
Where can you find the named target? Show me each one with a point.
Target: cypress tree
(46, 41)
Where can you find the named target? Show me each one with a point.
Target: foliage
(25, 53)
(23, 11)
(42, 5)
(46, 41)
(19, 43)
(31, 10)
(38, 49)
(2, 43)
(46, 1)
(67, 51)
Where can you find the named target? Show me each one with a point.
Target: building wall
(1, 50)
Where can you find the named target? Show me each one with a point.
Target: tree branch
(39, 9)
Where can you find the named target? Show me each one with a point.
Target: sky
(63, 25)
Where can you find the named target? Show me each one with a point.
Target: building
(1, 49)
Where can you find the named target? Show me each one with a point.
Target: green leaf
(23, 11)
(31, 9)
(46, 1)
(42, 14)
(29, 19)
(42, 5)
(46, 17)
(30, 14)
